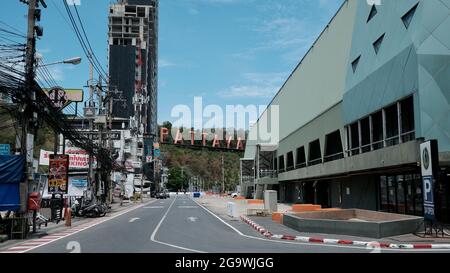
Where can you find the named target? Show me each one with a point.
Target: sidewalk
(53, 228)
(219, 206)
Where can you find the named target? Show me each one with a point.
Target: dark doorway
(322, 193)
(277, 189)
(308, 191)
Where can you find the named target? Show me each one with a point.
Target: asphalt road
(178, 225)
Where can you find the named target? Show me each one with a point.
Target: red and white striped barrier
(269, 235)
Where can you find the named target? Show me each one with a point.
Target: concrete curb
(374, 244)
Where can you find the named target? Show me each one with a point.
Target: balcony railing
(268, 173)
(248, 179)
(380, 144)
(315, 162)
(333, 157)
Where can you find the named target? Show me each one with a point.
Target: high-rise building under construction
(133, 63)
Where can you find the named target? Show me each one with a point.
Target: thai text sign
(58, 174)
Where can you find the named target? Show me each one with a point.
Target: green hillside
(202, 163)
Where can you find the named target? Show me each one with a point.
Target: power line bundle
(35, 100)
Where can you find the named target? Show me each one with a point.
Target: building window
(377, 130)
(290, 161)
(275, 165)
(141, 12)
(407, 18)
(407, 119)
(391, 126)
(354, 139)
(355, 63)
(392, 130)
(130, 9)
(301, 158)
(315, 153)
(365, 135)
(281, 164)
(401, 194)
(333, 147)
(377, 44)
(373, 12)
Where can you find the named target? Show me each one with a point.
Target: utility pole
(100, 126)
(33, 15)
(90, 114)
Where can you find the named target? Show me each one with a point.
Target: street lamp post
(73, 61)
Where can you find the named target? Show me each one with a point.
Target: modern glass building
(352, 115)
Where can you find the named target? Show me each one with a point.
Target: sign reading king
(78, 159)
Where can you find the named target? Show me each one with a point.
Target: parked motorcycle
(93, 210)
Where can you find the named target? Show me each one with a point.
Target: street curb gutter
(269, 235)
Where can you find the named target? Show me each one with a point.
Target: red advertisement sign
(58, 174)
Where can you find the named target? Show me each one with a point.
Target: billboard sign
(78, 159)
(429, 155)
(62, 97)
(58, 174)
(77, 185)
(428, 198)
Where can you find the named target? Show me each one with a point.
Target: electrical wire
(84, 43)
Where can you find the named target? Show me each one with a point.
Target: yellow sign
(70, 95)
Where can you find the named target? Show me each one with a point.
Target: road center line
(152, 238)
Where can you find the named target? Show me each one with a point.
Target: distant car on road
(162, 195)
(234, 194)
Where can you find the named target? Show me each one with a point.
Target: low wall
(354, 223)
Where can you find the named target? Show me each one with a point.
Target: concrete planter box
(354, 222)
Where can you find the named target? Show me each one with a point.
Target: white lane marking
(134, 219)
(305, 244)
(85, 226)
(187, 207)
(152, 238)
(155, 207)
(192, 219)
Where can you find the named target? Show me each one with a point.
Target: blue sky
(227, 51)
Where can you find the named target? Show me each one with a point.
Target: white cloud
(163, 63)
(286, 27)
(57, 73)
(262, 85)
(248, 91)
